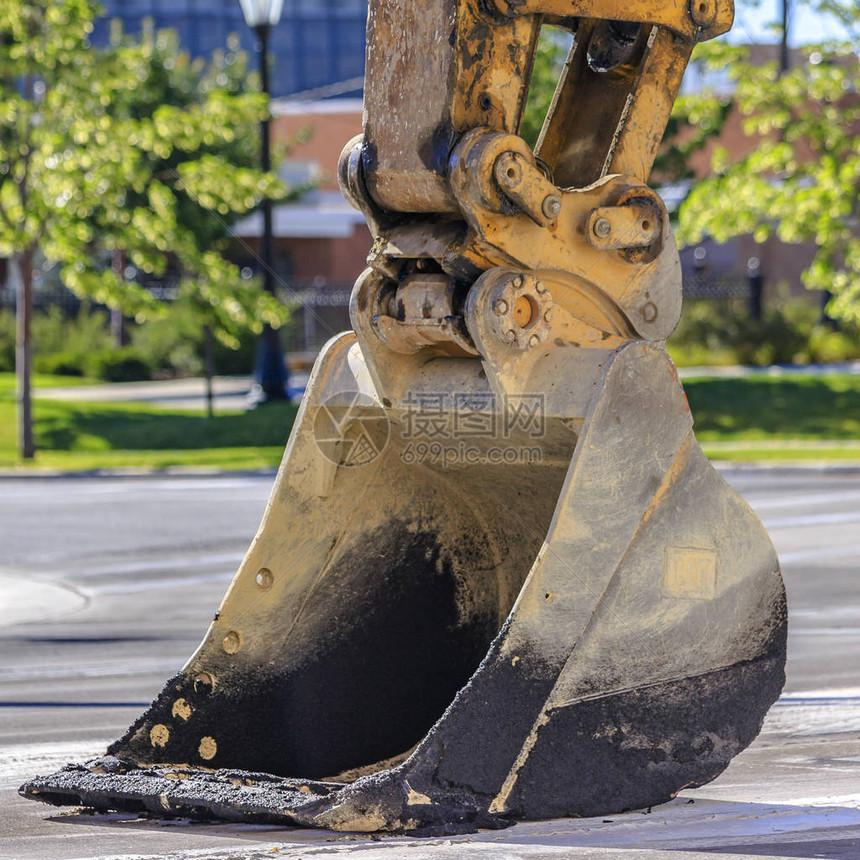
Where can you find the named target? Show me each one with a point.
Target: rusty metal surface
(433, 72)
(696, 19)
(605, 121)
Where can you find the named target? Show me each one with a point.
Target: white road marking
(816, 554)
(800, 501)
(833, 694)
(813, 520)
(91, 670)
(129, 486)
(159, 584)
(21, 761)
(24, 600)
(825, 631)
(151, 565)
(830, 613)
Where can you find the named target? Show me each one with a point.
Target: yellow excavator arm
(497, 579)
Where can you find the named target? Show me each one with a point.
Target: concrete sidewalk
(739, 371)
(230, 392)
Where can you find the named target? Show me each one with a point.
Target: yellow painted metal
(636, 224)
(524, 184)
(695, 20)
(601, 123)
(644, 283)
(457, 68)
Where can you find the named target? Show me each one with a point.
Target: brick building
(321, 242)
(779, 264)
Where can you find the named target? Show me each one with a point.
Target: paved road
(106, 586)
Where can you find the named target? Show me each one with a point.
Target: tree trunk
(22, 272)
(208, 368)
(117, 320)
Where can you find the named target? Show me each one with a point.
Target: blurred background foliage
(795, 173)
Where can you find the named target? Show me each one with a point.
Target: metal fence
(43, 299)
(701, 286)
(318, 311)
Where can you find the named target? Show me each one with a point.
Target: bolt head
(159, 735)
(602, 228)
(510, 335)
(232, 642)
(500, 306)
(649, 312)
(534, 340)
(551, 206)
(518, 281)
(203, 684)
(208, 748)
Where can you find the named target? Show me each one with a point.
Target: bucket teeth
(169, 791)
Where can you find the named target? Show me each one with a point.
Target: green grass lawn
(787, 419)
(85, 436)
(786, 407)
(779, 419)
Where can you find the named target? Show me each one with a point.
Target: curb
(133, 472)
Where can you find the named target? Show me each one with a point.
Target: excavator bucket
(496, 578)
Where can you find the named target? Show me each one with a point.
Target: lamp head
(262, 13)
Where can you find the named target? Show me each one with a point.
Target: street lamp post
(270, 373)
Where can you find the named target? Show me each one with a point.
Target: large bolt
(500, 306)
(508, 170)
(181, 709)
(534, 340)
(208, 748)
(203, 684)
(602, 228)
(232, 642)
(264, 579)
(510, 335)
(551, 206)
(159, 735)
(518, 281)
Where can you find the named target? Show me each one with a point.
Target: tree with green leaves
(550, 55)
(799, 175)
(799, 178)
(93, 161)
